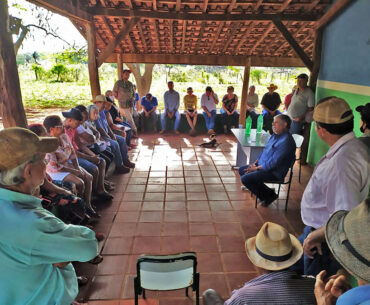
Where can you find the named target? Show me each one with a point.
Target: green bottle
(248, 126)
(259, 123)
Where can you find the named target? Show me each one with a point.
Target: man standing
(273, 250)
(340, 181)
(149, 105)
(273, 163)
(171, 107)
(36, 247)
(124, 92)
(303, 101)
(209, 101)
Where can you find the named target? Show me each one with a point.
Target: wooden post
(92, 63)
(243, 105)
(317, 46)
(119, 66)
(11, 106)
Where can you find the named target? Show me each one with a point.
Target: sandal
(96, 260)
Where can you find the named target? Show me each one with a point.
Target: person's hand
(251, 168)
(249, 108)
(322, 293)
(313, 241)
(209, 114)
(228, 112)
(95, 160)
(60, 265)
(296, 119)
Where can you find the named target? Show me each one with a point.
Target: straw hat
(272, 86)
(348, 237)
(273, 248)
(100, 98)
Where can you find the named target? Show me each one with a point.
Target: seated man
(36, 247)
(272, 164)
(149, 105)
(190, 106)
(171, 108)
(208, 102)
(273, 250)
(347, 235)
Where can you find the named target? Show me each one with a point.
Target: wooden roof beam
(178, 5)
(209, 60)
(115, 41)
(220, 27)
(231, 6)
(156, 36)
(172, 47)
(200, 37)
(231, 36)
(183, 36)
(293, 43)
(205, 6)
(313, 5)
(284, 5)
(333, 12)
(154, 5)
(64, 8)
(259, 3)
(262, 38)
(245, 36)
(113, 12)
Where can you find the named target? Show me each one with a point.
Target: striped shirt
(276, 288)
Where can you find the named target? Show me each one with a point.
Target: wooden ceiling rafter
(245, 37)
(142, 37)
(234, 29)
(183, 36)
(200, 36)
(217, 36)
(205, 5)
(231, 6)
(155, 33)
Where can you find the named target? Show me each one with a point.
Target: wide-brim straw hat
(273, 248)
(348, 238)
(272, 86)
(100, 98)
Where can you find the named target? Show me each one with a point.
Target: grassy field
(48, 94)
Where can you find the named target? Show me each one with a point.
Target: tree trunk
(143, 82)
(11, 105)
(20, 39)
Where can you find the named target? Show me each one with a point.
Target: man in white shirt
(209, 103)
(340, 180)
(252, 103)
(303, 101)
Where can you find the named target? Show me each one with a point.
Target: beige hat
(100, 98)
(334, 110)
(348, 237)
(19, 144)
(273, 248)
(272, 86)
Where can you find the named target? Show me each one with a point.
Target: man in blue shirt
(36, 248)
(273, 163)
(149, 104)
(171, 107)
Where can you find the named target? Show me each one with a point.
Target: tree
(257, 75)
(59, 70)
(39, 71)
(143, 81)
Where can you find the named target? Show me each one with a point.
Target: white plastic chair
(298, 143)
(166, 272)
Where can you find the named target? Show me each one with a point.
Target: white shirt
(252, 100)
(300, 103)
(209, 101)
(340, 181)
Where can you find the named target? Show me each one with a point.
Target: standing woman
(229, 111)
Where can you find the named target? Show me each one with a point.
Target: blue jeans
(115, 147)
(123, 148)
(128, 133)
(210, 121)
(90, 167)
(296, 127)
(254, 116)
(229, 120)
(308, 266)
(177, 120)
(254, 181)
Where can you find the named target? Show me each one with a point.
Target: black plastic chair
(166, 272)
(281, 182)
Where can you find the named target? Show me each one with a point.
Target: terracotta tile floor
(179, 198)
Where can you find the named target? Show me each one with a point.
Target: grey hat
(348, 237)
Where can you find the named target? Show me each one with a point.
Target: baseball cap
(364, 110)
(303, 75)
(126, 70)
(73, 113)
(333, 110)
(19, 144)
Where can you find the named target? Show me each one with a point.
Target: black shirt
(271, 101)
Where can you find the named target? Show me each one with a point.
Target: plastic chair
(166, 272)
(298, 143)
(288, 182)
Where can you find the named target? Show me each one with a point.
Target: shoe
(270, 200)
(129, 164)
(96, 260)
(162, 131)
(82, 280)
(122, 170)
(105, 196)
(244, 188)
(211, 131)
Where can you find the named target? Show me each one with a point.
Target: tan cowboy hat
(273, 248)
(348, 238)
(100, 98)
(272, 86)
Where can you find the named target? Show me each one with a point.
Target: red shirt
(71, 133)
(288, 100)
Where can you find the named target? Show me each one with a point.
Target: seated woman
(190, 104)
(63, 165)
(229, 111)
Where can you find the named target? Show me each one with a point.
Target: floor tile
(113, 264)
(152, 205)
(117, 245)
(150, 216)
(217, 195)
(175, 188)
(138, 181)
(157, 180)
(175, 216)
(176, 180)
(198, 229)
(224, 216)
(216, 282)
(122, 229)
(135, 188)
(210, 173)
(209, 262)
(211, 180)
(237, 262)
(146, 245)
(220, 205)
(174, 244)
(148, 229)
(231, 243)
(127, 216)
(157, 174)
(192, 173)
(214, 188)
(239, 195)
(193, 180)
(175, 174)
(155, 188)
(227, 229)
(175, 206)
(154, 197)
(199, 216)
(174, 229)
(203, 244)
(106, 287)
(175, 196)
(198, 205)
(128, 290)
(237, 280)
(133, 197)
(196, 196)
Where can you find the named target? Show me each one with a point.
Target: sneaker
(122, 170)
(270, 200)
